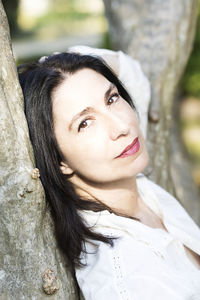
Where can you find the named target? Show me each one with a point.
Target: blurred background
(41, 27)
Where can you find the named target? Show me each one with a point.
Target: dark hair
(38, 81)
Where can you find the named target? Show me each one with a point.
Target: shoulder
(174, 215)
(166, 200)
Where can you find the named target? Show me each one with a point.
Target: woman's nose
(117, 126)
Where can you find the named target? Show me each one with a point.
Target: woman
(125, 236)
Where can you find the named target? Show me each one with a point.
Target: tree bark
(27, 244)
(160, 35)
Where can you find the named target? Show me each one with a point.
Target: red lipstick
(131, 149)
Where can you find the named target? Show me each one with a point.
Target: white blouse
(145, 263)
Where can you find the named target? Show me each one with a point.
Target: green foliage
(62, 18)
(190, 83)
(68, 22)
(106, 42)
(55, 16)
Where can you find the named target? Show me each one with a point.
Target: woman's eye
(113, 98)
(84, 124)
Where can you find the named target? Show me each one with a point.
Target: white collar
(177, 221)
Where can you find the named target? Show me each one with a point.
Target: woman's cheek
(93, 136)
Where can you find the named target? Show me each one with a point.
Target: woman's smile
(130, 149)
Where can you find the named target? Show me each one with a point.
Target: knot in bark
(51, 284)
(35, 173)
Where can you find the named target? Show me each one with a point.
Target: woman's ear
(65, 169)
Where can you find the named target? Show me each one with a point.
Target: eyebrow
(90, 109)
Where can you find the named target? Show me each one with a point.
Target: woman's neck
(121, 196)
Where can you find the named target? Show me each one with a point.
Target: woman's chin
(140, 163)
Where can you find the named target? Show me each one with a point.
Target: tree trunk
(160, 35)
(27, 244)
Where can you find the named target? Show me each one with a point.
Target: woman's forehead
(81, 85)
(78, 91)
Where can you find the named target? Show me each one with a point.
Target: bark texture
(160, 35)
(27, 244)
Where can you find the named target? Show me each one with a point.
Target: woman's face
(93, 125)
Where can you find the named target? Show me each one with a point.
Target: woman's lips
(131, 149)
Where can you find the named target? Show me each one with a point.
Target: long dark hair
(38, 81)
